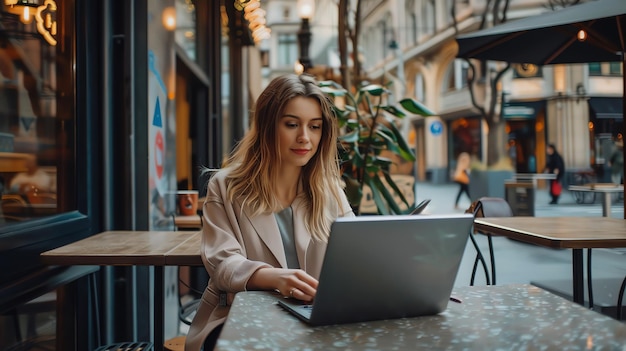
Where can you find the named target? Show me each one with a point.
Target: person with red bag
(556, 165)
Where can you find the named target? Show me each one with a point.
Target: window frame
(22, 243)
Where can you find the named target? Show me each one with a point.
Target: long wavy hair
(253, 162)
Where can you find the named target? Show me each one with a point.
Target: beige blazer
(235, 244)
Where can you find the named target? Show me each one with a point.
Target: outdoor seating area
(187, 175)
(493, 221)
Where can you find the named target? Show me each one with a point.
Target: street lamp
(306, 8)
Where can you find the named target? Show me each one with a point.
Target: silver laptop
(385, 267)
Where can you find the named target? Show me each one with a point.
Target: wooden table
(576, 233)
(509, 317)
(607, 189)
(13, 162)
(134, 248)
(188, 222)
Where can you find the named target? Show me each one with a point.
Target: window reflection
(29, 119)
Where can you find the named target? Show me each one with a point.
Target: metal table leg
(578, 288)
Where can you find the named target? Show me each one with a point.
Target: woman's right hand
(294, 283)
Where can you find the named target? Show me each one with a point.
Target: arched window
(411, 22)
(428, 17)
(420, 88)
(455, 77)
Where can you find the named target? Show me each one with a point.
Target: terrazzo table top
(508, 317)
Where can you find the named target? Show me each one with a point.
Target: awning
(606, 107)
(522, 110)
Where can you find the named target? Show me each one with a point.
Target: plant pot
(488, 183)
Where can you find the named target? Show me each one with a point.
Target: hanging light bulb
(582, 35)
(169, 18)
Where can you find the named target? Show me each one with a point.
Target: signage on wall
(157, 95)
(157, 121)
(436, 128)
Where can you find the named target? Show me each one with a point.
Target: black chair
(487, 207)
(620, 298)
(127, 346)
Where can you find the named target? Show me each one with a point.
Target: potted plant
(489, 181)
(368, 123)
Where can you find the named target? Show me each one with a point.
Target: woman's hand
(294, 283)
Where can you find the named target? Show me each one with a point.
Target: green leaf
(374, 89)
(378, 200)
(330, 83)
(351, 137)
(395, 188)
(416, 107)
(333, 92)
(405, 150)
(394, 111)
(389, 199)
(390, 142)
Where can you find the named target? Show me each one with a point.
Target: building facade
(576, 107)
(107, 109)
(411, 43)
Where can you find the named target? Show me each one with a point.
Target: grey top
(285, 225)
(507, 317)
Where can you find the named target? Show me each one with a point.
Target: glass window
(595, 69)
(615, 68)
(36, 116)
(186, 27)
(456, 75)
(287, 49)
(605, 69)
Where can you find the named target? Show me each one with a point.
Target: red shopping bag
(556, 188)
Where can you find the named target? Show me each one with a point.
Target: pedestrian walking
(617, 162)
(461, 177)
(556, 165)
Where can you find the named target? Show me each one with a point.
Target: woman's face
(299, 131)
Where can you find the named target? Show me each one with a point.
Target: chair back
(492, 207)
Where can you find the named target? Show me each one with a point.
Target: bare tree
(347, 16)
(494, 13)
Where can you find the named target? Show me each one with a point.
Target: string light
(255, 15)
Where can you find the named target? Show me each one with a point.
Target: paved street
(523, 263)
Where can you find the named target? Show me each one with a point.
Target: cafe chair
(620, 298)
(487, 207)
(127, 346)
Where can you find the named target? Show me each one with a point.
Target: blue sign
(436, 128)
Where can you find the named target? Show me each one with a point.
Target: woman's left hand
(294, 283)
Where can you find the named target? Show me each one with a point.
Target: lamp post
(306, 8)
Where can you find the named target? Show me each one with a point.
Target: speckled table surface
(510, 317)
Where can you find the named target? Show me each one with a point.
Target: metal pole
(304, 39)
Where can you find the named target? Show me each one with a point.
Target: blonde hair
(252, 172)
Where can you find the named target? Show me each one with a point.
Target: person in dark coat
(556, 165)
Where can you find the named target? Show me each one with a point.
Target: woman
(268, 212)
(461, 177)
(556, 165)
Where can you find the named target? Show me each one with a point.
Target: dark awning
(522, 110)
(606, 107)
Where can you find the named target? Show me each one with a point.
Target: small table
(604, 188)
(509, 317)
(188, 222)
(134, 248)
(533, 177)
(576, 233)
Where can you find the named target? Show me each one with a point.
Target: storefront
(606, 127)
(525, 129)
(91, 123)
